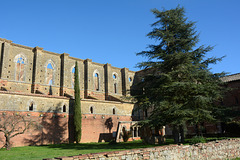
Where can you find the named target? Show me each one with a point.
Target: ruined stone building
(39, 84)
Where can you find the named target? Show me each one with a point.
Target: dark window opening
(115, 87)
(64, 108)
(31, 107)
(91, 110)
(114, 112)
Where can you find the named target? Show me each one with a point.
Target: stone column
(87, 75)
(36, 67)
(5, 48)
(63, 80)
(125, 85)
(107, 75)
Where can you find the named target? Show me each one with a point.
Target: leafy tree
(178, 85)
(77, 107)
(12, 125)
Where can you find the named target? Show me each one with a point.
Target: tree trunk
(175, 133)
(7, 142)
(197, 129)
(181, 129)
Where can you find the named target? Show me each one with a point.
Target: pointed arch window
(96, 81)
(20, 67)
(50, 73)
(49, 66)
(64, 108)
(30, 107)
(73, 78)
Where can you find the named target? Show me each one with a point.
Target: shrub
(197, 139)
(126, 135)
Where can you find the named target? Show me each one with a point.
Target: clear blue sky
(113, 31)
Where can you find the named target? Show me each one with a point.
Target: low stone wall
(223, 149)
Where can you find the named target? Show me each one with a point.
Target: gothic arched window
(50, 73)
(64, 108)
(115, 87)
(96, 81)
(20, 67)
(72, 76)
(30, 107)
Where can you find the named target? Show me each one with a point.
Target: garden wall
(213, 150)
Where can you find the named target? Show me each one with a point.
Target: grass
(60, 150)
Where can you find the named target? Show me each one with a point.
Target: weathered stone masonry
(39, 83)
(224, 149)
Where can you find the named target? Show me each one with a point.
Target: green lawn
(59, 150)
(50, 151)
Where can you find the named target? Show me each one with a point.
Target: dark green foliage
(179, 86)
(77, 107)
(126, 135)
(197, 139)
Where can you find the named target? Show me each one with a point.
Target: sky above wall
(113, 31)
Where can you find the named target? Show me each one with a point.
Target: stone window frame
(115, 82)
(54, 70)
(31, 101)
(20, 55)
(99, 80)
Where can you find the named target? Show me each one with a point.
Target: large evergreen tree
(77, 107)
(179, 87)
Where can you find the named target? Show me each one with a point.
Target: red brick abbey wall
(58, 128)
(100, 128)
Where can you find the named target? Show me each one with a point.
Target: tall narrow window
(64, 108)
(96, 81)
(20, 68)
(115, 87)
(49, 73)
(31, 107)
(73, 79)
(114, 111)
(91, 110)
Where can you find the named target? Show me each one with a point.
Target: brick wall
(224, 149)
